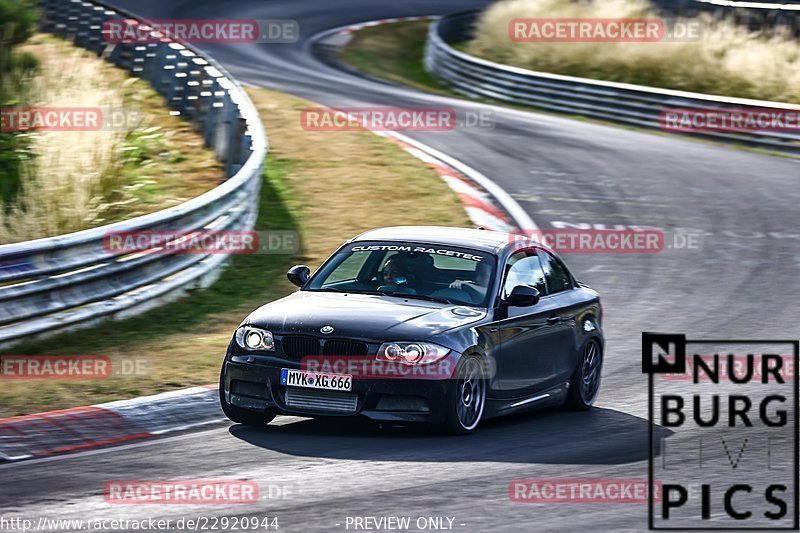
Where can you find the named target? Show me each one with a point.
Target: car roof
(476, 239)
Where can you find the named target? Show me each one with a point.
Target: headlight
(251, 338)
(412, 353)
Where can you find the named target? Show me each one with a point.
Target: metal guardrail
(622, 103)
(50, 284)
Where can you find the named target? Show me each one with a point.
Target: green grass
(393, 52)
(16, 69)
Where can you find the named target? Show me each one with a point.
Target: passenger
(477, 288)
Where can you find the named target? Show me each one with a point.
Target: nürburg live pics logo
(723, 441)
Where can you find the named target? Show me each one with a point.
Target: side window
(348, 269)
(555, 274)
(523, 268)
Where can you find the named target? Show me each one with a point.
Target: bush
(729, 60)
(17, 23)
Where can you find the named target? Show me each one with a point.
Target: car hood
(362, 316)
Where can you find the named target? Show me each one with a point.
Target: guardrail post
(429, 54)
(95, 40)
(149, 60)
(238, 127)
(83, 23)
(47, 20)
(215, 105)
(138, 56)
(166, 75)
(120, 54)
(155, 66)
(177, 86)
(180, 77)
(245, 145)
(191, 92)
(203, 100)
(73, 16)
(226, 133)
(59, 12)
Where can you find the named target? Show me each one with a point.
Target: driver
(395, 276)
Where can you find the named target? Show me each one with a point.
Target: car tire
(467, 398)
(239, 415)
(584, 385)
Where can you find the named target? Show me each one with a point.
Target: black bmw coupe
(445, 326)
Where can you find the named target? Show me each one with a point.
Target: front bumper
(254, 383)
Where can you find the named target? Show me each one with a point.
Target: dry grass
(353, 181)
(83, 179)
(327, 185)
(728, 60)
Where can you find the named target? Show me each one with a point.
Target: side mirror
(522, 296)
(299, 274)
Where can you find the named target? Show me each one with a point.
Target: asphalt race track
(742, 282)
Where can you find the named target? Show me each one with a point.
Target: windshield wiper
(418, 297)
(351, 291)
(328, 289)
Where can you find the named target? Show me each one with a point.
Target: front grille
(344, 347)
(321, 400)
(299, 346)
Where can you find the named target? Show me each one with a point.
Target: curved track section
(740, 283)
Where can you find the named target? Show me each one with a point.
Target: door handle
(554, 319)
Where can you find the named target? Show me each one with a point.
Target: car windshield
(431, 272)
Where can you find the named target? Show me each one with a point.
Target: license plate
(316, 380)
